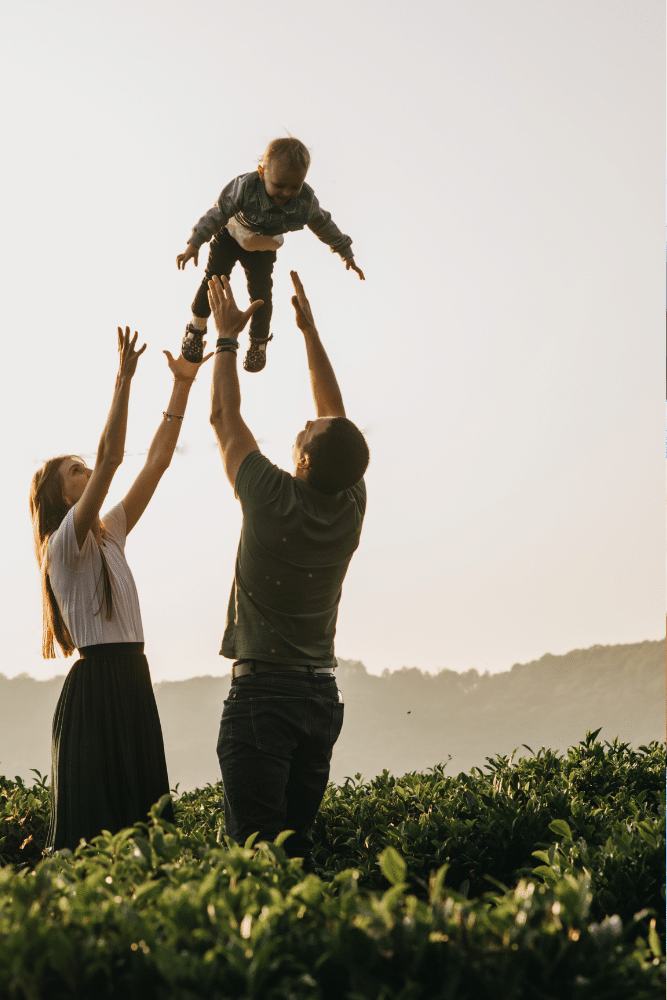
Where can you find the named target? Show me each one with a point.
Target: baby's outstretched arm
(214, 220)
(183, 258)
(321, 223)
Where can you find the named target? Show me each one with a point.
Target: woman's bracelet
(168, 416)
(225, 341)
(226, 347)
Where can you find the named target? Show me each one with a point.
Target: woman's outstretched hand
(127, 354)
(182, 370)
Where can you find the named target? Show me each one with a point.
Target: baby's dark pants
(258, 267)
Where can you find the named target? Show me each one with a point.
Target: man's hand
(182, 370)
(304, 314)
(350, 265)
(183, 258)
(229, 320)
(326, 394)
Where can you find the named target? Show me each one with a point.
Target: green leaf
(548, 874)
(392, 866)
(309, 891)
(144, 848)
(437, 883)
(160, 805)
(561, 829)
(647, 831)
(392, 896)
(148, 890)
(654, 940)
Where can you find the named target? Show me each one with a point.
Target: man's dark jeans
(276, 737)
(258, 267)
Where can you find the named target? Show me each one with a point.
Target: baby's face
(282, 182)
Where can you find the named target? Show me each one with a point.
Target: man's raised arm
(235, 438)
(326, 393)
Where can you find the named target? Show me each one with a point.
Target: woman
(108, 764)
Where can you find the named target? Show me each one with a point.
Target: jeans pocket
(337, 712)
(274, 723)
(236, 723)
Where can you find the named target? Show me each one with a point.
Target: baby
(247, 224)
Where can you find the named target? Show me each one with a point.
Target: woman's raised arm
(163, 444)
(112, 443)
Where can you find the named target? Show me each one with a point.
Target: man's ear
(302, 466)
(260, 171)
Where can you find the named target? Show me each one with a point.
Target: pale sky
(499, 167)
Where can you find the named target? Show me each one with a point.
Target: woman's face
(75, 475)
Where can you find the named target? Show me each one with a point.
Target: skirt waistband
(110, 649)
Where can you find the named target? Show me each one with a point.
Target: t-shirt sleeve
(259, 482)
(63, 546)
(115, 525)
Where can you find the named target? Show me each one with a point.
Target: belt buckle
(242, 673)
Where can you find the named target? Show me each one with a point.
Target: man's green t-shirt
(296, 544)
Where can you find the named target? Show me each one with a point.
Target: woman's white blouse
(76, 580)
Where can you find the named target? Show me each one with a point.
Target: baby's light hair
(289, 151)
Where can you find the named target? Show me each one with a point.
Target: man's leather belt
(262, 667)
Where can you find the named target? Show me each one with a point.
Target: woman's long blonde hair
(48, 509)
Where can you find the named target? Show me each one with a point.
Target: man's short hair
(337, 458)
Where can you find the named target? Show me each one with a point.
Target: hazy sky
(499, 166)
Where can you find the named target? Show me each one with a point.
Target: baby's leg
(258, 267)
(222, 256)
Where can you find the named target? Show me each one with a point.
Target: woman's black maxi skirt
(108, 764)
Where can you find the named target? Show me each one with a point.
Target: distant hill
(403, 720)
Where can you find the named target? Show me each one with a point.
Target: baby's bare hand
(350, 265)
(191, 252)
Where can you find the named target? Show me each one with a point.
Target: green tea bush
(170, 912)
(483, 826)
(149, 913)
(24, 819)
(487, 826)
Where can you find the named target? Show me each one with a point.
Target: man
(284, 712)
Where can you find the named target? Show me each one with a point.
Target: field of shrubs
(540, 877)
